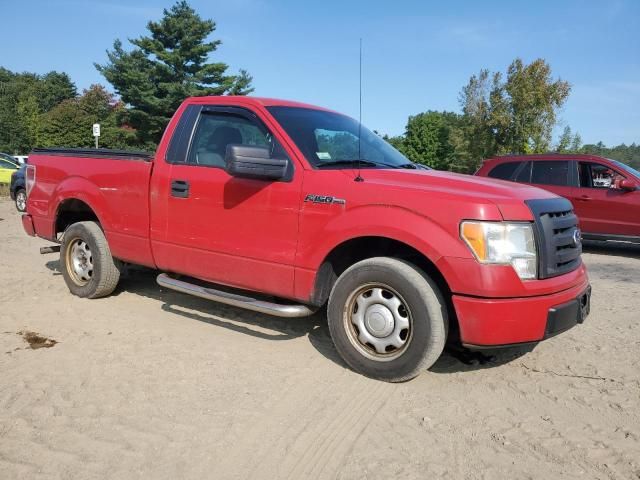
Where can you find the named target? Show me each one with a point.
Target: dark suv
(605, 193)
(17, 189)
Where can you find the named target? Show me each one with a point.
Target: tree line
(168, 64)
(514, 112)
(511, 114)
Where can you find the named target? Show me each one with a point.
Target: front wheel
(388, 319)
(21, 200)
(87, 266)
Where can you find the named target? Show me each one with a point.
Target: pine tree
(165, 67)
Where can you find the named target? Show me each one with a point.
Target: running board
(50, 249)
(248, 303)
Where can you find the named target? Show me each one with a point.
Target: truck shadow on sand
(142, 281)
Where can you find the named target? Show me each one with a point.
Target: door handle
(584, 198)
(179, 188)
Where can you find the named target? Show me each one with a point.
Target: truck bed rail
(95, 153)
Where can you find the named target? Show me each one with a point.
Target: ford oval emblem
(576, 237)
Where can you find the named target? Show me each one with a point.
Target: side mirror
(626, 185)
(248, 161)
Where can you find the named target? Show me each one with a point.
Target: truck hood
(508, 197)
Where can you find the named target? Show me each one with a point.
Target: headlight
(503, 243)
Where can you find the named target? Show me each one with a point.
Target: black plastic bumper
(567, 315)
(559, 319)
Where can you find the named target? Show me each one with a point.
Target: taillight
(30, 178)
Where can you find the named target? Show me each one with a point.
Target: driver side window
(597, 175)
(215, 132)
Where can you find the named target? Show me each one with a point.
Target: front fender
(397, 223)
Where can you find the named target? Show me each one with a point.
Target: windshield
(330, 140)
(627, 168)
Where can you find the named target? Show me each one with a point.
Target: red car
(605, 193)
(296, 207)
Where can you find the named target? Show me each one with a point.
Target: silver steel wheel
(21, 201)
(79, 262)
(378, 322)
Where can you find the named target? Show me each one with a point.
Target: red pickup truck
(295, 207)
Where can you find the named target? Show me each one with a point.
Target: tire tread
(433, 298)
(109, 272)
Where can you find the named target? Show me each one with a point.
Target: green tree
(564, 142)
(576, 142)
(69, 123)
(516, 115)
(629, 154)
(168, 65)
(55, 87)
(568, 142)
(11, 129)
(479, 137)
(23, 98)
(28, 112)
(426, 138)
(397, 141)
(533, 99)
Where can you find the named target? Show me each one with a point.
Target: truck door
(603, 208)
(224, 229)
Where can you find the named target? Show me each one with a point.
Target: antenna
(358, 177)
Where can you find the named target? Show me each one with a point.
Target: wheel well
(357, 249)
(71, 211)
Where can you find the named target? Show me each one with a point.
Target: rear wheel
(87, 266)
(21, 200)
(388, 319)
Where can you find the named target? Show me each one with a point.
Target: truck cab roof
(248, 100)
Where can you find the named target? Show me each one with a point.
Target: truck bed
(114, 183)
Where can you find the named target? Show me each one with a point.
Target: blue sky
(417, 54)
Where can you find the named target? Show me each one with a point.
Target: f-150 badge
(313, 198)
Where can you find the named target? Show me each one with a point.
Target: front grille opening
(556, 225)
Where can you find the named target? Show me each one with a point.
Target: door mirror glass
(248, 161)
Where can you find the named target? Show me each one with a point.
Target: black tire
(102, 278)
(425, 310)
(21, 200)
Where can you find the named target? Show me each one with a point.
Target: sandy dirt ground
(153, 384)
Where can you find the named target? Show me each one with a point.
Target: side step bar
(248, 303)
(50, 249)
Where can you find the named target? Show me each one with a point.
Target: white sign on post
(96, 132)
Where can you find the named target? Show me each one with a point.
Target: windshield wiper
(370, 163)
(366, 163)
(414, 166)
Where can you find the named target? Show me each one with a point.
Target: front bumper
(500, 322)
